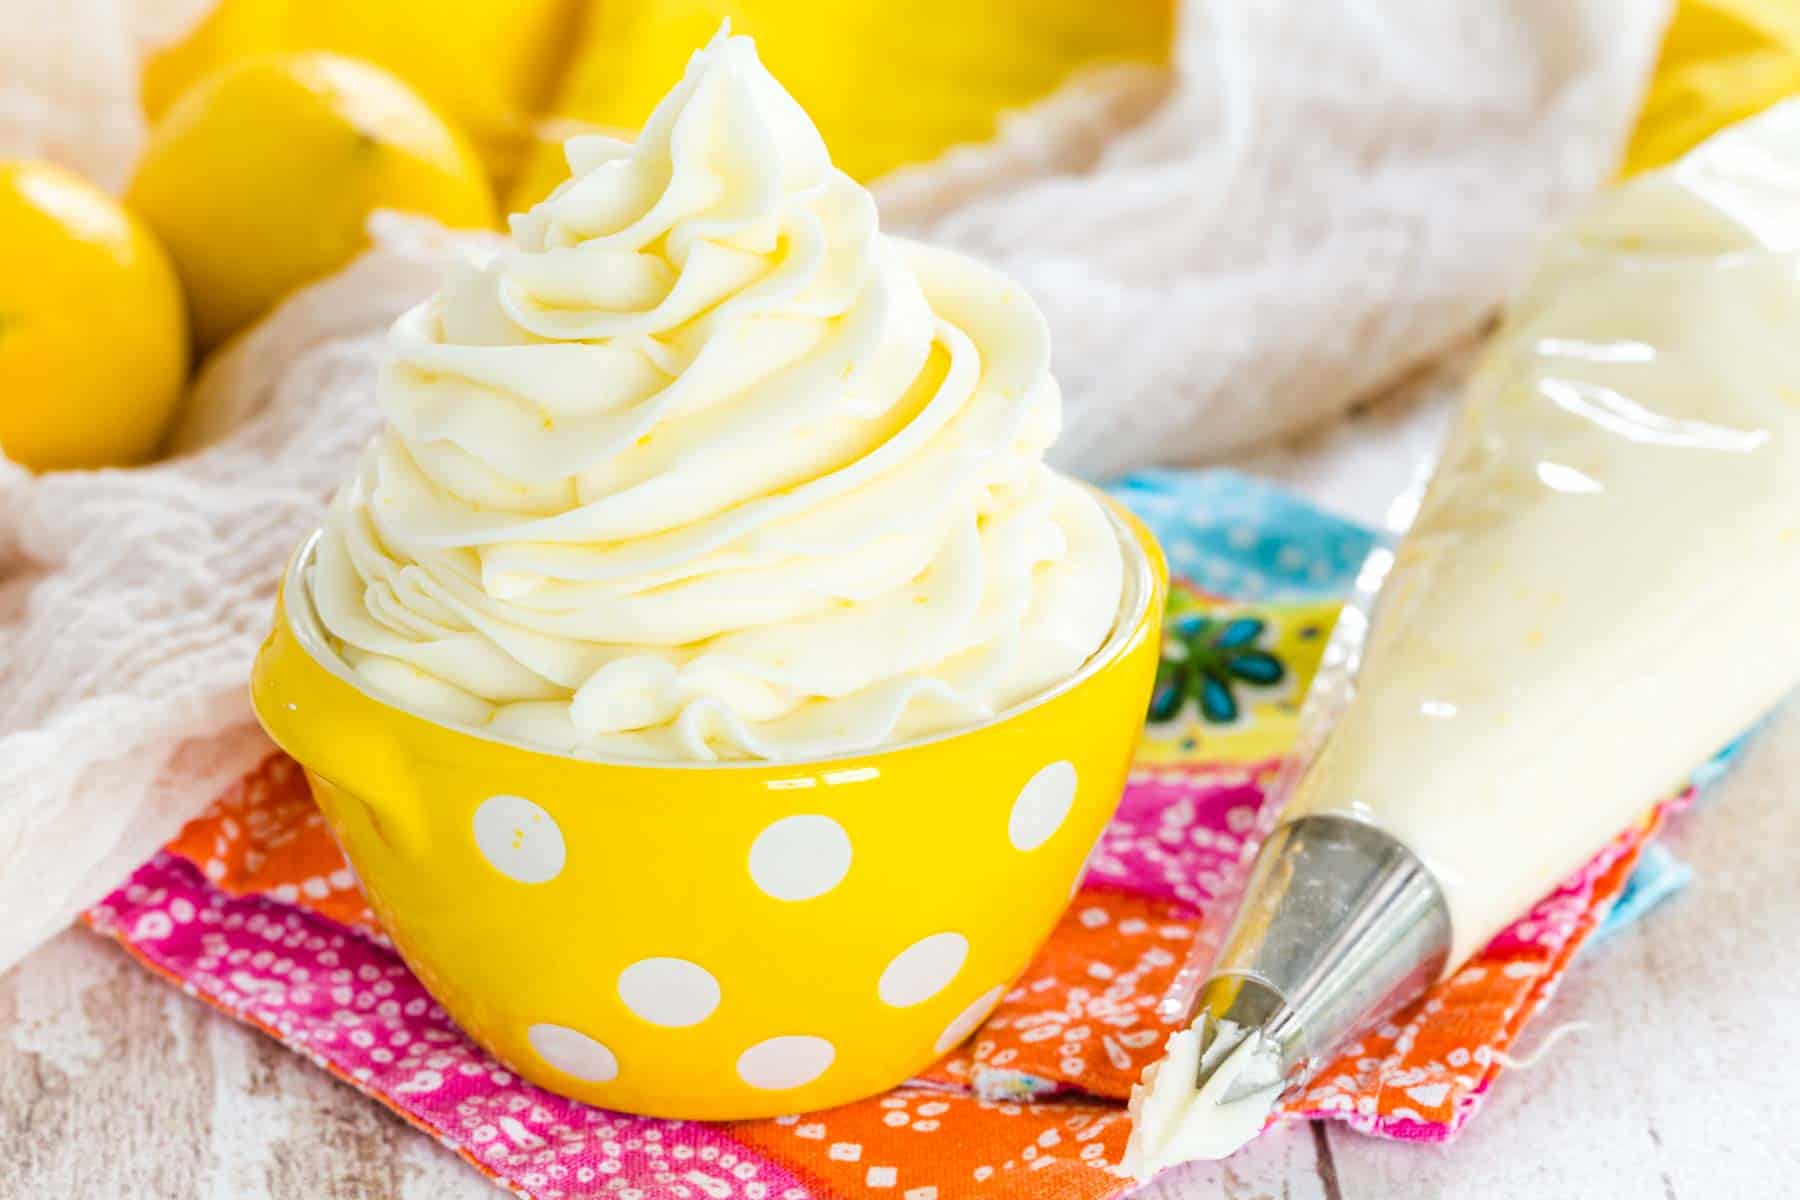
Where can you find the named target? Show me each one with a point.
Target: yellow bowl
(716, 941)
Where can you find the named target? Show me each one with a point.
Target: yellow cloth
(889, 82)
(488, 66)
(1722, 61)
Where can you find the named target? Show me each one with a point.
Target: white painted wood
(1284, 1162)
(114, 1084)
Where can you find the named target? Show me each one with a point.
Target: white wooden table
(113, 1084)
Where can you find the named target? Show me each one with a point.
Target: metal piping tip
(1340, 925)
(1223, 1045)
(1233, 1009)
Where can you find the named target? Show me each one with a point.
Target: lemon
(488, 66)
(93, 338)
(262, 178)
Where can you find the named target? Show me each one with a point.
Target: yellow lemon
(487, 65)
(263, 176)
(93, 338)
(231, 32)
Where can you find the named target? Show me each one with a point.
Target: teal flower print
(1205, 660)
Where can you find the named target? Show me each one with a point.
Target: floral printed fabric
(253, 909)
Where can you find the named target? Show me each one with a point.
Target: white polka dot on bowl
(800, 857)
(968, 1020)
(573, 1053)
(519, 839)
(672, 992)
(923, 969)
(785, 1062)
(1042, 806)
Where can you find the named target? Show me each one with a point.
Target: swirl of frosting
(709, 467)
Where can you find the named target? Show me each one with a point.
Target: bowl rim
(1135, 598)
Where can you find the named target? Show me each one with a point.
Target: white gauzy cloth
(1321, 197)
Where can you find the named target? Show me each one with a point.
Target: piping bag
(1599, 590)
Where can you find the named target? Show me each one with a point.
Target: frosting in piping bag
(709, 467)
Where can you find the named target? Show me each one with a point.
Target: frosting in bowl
(709, 467)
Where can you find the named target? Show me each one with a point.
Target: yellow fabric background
(1722, 61)
(887, 82)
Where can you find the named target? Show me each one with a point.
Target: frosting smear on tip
(1175, 1118)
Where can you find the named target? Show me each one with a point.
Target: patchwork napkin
(253, 909)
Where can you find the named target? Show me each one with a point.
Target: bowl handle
(337, 733)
